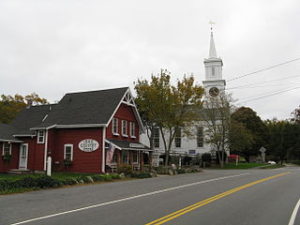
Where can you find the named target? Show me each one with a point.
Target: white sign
(88, 145)
(135, 145)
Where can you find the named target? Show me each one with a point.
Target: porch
(122, 153)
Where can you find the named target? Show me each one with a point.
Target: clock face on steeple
(214, 91)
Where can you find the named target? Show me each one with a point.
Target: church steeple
(213, 69)
(212, 47)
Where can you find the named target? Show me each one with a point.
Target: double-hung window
(178, 137)
(40, 137)
(156, 137)
(200, 137)
(6, 149)
(115, 126)
(124, 128)
(132, 129)
(68, 152)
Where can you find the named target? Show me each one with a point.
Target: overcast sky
(54, 47)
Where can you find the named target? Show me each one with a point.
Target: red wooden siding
(85, 162)
(14, 161)
(124, 112)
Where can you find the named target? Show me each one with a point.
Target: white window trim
(38, 137)
(132, 126)
(112, 127)
(10, 148)
(68, 145)
(124, 123)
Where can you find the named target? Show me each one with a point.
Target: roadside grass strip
(197, 205)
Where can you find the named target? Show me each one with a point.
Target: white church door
(23, 156)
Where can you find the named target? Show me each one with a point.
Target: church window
(156, 137)
(200, 137)
(178, 138)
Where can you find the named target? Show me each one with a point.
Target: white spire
(212, 47)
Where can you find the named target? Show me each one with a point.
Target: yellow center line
(192, 207)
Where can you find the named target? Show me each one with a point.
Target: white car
(272, 162)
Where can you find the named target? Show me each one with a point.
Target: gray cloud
(54, 47)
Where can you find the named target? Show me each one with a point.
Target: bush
(125, 168)
(46, 181)
(206, 157)
(141, 175)
(180, 171)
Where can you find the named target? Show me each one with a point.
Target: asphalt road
(213, 197)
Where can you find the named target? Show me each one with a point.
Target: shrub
(115, 176)
(98, 177)
(206, 157)
(46, 181)
(141, 175)
(125, 168)
(180, 171)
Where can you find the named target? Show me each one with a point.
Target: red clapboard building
(90, 132)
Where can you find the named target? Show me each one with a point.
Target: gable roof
(75, 110)
(93, 108)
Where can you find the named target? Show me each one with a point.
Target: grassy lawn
(59, 176)
(16, 183)
(272, 166)
(240, 166)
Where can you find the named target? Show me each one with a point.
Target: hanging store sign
(88, 145)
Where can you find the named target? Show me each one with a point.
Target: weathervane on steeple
(211, 25)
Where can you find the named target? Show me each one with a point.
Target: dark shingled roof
(93, 107)
(6, 133)
(82, 108)
(30, 117)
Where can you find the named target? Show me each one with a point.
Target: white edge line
(126, 199)
(294, 214)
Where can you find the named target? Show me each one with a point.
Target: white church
(194, 144)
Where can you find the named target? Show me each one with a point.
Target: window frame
(65, 150)
(40, 136)
(156, 137)
(132, 129)
(200, 139)
(3, 148)
(115, 126)
(124, 125)
(178, 138)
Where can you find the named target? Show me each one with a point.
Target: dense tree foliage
(284, 140)
(11, 105)
(240, 138)
(167, 106)
(254, 127)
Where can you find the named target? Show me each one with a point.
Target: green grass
(272, 166)
(60, 176)
(240, 166)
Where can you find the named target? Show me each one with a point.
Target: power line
(251, 84)
(264, 69)
(269, 95)
(264, 86)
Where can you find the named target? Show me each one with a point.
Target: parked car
(272, 162)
